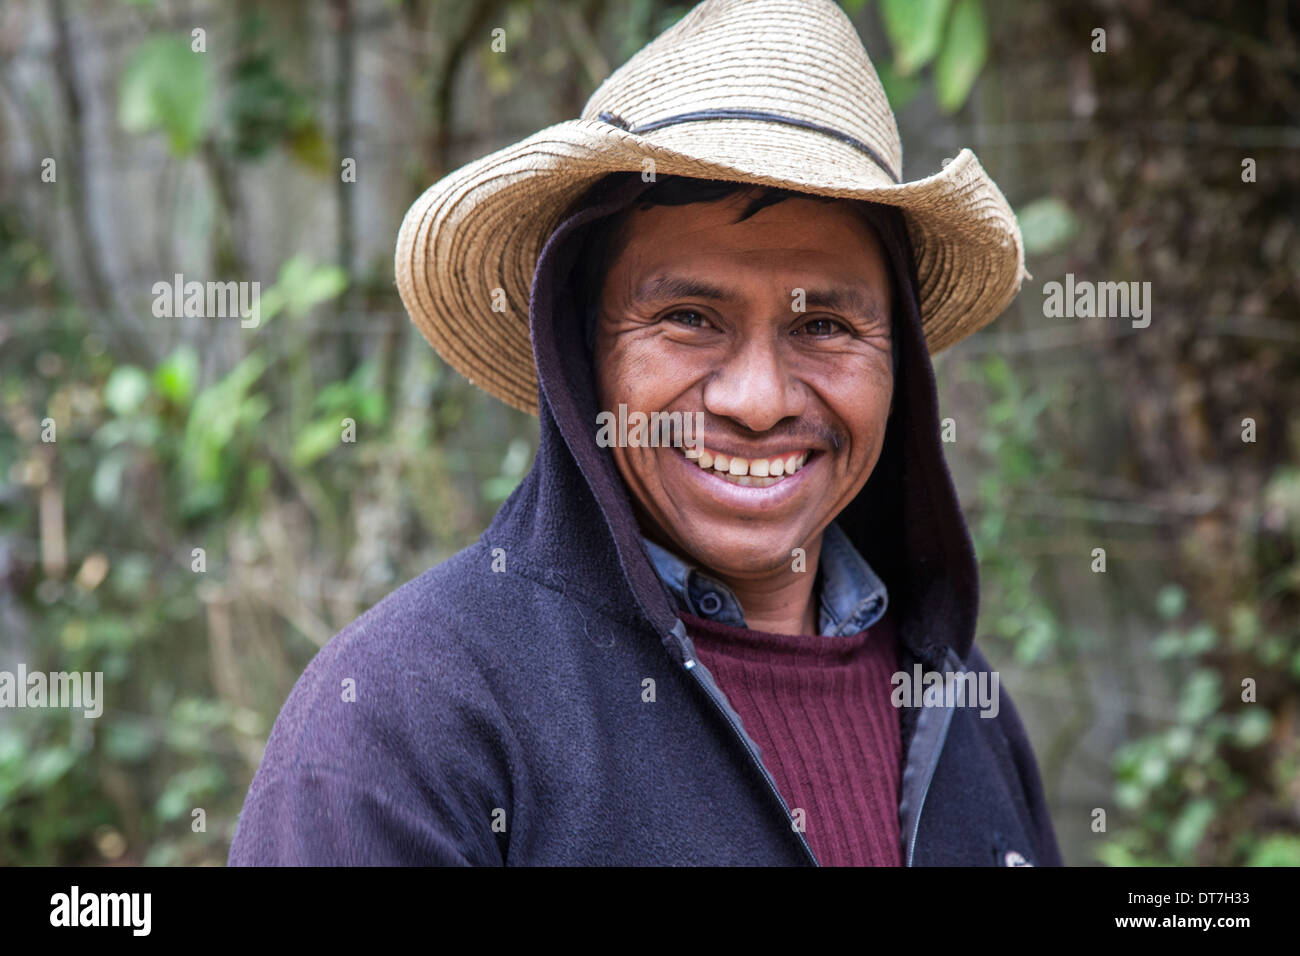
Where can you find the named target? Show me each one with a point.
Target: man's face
(699, 314)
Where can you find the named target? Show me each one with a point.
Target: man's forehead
(728, 210)
(797, 230)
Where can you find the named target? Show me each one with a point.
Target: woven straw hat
(771, 92)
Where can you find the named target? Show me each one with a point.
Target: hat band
(607, 117)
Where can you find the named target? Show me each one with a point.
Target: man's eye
(820, 327)
(692, 318)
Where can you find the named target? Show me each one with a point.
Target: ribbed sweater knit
(818, 707)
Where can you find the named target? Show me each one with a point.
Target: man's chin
(751, 553)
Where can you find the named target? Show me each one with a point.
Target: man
(711, 650)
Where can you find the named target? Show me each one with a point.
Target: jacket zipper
(744, 739)
(936, 750)
(916, 827)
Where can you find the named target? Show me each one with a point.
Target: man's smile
(758, 472)
(737, 484)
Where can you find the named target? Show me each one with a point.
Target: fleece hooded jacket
(535, 699)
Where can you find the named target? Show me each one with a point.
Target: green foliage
(126, 390)
(265, 110)
(899, 89)
(1015, 457)
(157, 460)
(914, 28)
(513, 468)
(1047, 225)
(965, 48)
(953, 36)
(301, 286)
(359, 399)
(1281, 850)
(219, 435)
(167, 87)
(642, 20)
(1221, 753)
(177, 377)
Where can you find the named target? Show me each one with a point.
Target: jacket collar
(852, 597)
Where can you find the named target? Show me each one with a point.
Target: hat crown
(801, 59)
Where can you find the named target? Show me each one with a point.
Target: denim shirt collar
(852, 597)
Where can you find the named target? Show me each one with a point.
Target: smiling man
(752, 648)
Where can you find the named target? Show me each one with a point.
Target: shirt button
(710, 603)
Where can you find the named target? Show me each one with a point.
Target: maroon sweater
(818, 707)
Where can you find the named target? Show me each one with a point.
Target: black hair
(604, 237)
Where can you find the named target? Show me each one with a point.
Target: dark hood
(905, 522)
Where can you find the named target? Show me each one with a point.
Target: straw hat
(772, 92)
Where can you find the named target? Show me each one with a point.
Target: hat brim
(468, 246)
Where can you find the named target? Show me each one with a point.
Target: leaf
(1178, 742)
(106, 483)
(965, 48)
(300, 287)
(125, 391)
(1034, 641)
(1153, 769)
(997, 372)
(316, 441)
(1253, 728)
(1279, 850)
(212, 423)
(914, 28)
(167, 87)
(1200, 697)
(1170, 601)
(513, 467)
(899, 89)
(128, 741)
(323, 284)
(48, 765)
(1113, 854)
(185, 788)
(1047, 225)
(1190, 827)
(175, 378)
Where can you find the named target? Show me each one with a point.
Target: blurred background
(177, 509)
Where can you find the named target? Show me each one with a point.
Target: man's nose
(755, 386)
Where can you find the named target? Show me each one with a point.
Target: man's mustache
(797, 434)
(692, 429)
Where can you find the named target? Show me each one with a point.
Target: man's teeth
(752, 472)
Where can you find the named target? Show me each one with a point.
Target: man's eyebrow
(850, 298)
(663, 287)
